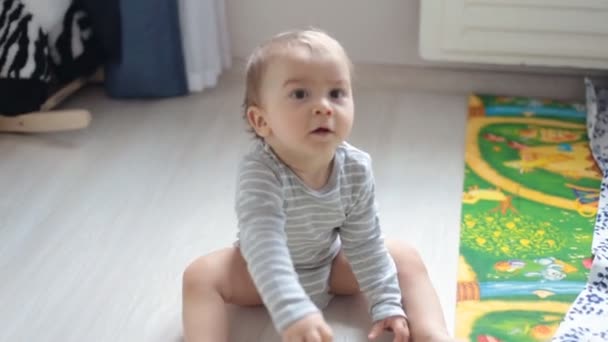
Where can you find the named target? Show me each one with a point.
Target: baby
(305, 202)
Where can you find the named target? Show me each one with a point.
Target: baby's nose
(323, 109)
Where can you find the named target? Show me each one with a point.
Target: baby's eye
(337, 93)
(299, 94)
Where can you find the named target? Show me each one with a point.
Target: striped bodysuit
(289, 234)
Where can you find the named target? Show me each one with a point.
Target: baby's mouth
(322, 130)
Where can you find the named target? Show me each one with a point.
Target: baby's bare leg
(209, 283)
(425, 317)
(424, 312)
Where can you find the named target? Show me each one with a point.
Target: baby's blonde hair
(315, 39)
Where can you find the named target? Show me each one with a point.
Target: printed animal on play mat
(554, 269)
(474, 195)
(550, 135)
(572, 161)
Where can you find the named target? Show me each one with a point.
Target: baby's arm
(259, 207)
(364, 247)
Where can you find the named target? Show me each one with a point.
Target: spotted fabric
(587, 318)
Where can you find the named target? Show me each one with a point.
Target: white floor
(96, 226)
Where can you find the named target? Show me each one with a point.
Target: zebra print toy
(34, 62)
(24, 60)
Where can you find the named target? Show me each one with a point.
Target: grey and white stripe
(289, 234)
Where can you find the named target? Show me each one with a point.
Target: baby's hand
(311, 328)
(397, 324)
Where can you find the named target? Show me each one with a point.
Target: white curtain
(205, 41)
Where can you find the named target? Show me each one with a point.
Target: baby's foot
(445, 339)
(439, 338)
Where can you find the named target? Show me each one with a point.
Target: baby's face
(307, 100)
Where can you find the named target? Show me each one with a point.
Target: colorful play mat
(530, 197)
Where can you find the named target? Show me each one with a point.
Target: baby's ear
(257, 120)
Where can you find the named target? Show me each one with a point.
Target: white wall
(376, 32)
